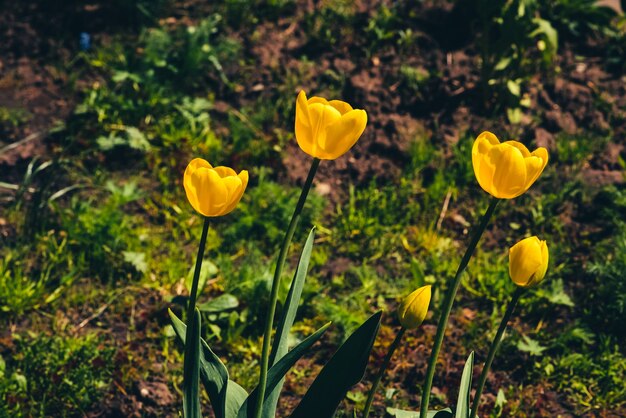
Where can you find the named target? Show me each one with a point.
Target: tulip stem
(381, 372)
(447, 305)
(494, 347)
(191, 373)
(193, 293)
(275, 285)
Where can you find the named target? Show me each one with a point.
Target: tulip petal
(535, 165)
(509, 177)
(342, 107)
(303, 126)
(195, 164)
(483, 167)
(343, 134)
(519, 146)
(212, 192)
(190, 181)
(321, 116)
(225, 171)
(236, 193)
(525, 261)
(414, 308)
(317, 99)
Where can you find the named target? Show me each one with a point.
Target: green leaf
(279, 349)
(514, 87)
(191, 369)
(219, 304)
(276, 373)
(137, 260)
(235, 398)
(545, 28)
(214, 377)
(136, 139)
(463, 403)
(399, 413)
(530, 346)
(344, 370)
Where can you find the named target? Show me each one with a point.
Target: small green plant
(54, 376)
(511, 36)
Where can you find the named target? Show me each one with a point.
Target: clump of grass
(54, 376)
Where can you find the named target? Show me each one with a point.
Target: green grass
(54, 376)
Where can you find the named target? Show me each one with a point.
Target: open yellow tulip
(413, 309)
(327, 129)
(528, 261)
(213, 191)
(506, 170)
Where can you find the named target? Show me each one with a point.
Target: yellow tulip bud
(413, 309)
(528, 261)
(213, 191)
(327, 129)
(506, 170)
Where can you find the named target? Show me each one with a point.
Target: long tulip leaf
(345, 369)
(191, 370)
(400, 413)
(235, 398)
(280, 346)
(276, 373)
(463, 402)
(213, 373)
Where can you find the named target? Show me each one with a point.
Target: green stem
(447, 306)
(381, 372)
(494, 347)
(193, 293)
(191, 367)
(275, 285)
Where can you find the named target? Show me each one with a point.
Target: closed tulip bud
(506, 170)
(528, 261)
(327, 129)
(213, 191)
(413, 309)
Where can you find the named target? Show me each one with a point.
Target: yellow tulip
(413, 309)
(506, 170)
(213, 191)
(327, 129)
(528, 261)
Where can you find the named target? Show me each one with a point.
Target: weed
(54, 376)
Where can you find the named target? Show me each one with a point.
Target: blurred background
(103, 103)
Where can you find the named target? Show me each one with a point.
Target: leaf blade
(344, 370)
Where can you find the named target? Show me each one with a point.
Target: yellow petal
(519, 146)
(321, 116)
(303, 124)
(316, 99)
(342, 107)
(190, 181)
(212, 192)
(528, 261)
(535, 165)
(483, 167)
(224, 171)
(509, 178)
(343, 134)
(236, 192)
(414, 308)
